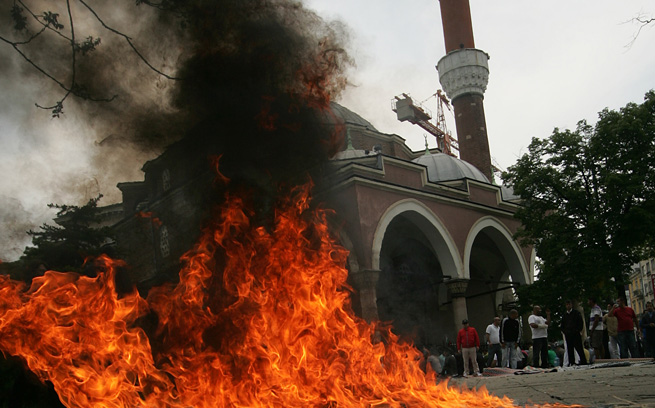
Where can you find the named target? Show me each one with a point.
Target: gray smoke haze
(242, 62)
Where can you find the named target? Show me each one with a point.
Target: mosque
(430, 235)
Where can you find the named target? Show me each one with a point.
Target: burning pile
(261, 314)
(258, 318)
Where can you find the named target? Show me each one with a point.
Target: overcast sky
(551, 64)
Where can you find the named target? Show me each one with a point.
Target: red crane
(407, 110)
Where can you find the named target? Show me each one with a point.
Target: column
(365, 281)
(457, 288)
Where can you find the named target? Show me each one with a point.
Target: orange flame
(258, 319)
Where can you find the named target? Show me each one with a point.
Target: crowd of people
(611, 334)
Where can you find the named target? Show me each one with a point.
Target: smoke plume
(249, 79)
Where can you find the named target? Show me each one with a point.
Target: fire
(259, 318)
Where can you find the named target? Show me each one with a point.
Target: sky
(551, 65)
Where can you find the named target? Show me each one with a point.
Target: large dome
(443, 167)
(348, 116)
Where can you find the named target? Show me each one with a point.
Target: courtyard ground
(606, 384)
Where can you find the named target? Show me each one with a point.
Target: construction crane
(407, 110)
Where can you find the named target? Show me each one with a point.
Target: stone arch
(492, 258)
(502, 237)
(434, 230)
(414, 252)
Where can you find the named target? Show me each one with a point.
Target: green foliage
(588, 203)
(64, 247)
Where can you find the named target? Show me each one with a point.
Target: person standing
(626, 322)
(539, 327)
(492, 337)
(612, 325)
(510, 333)
(572, 325)
(596, 328)
(468, 343)
(648, 325)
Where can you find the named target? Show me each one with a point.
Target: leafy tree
(64, 247)
(588, 203)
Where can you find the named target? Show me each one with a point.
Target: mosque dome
(349, 117)
(444, 167)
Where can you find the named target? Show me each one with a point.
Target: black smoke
(249, 79)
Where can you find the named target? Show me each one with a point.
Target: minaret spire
(464, 73)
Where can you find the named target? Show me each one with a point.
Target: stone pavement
(593, 386)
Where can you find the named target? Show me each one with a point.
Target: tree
(56, 35)
(65, 247)
(588, 203)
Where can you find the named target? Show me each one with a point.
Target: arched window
(166, 179)
(163, 241)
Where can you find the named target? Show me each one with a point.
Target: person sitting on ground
(449, 364)
(433, 361)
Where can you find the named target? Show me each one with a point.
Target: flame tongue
(274, 330)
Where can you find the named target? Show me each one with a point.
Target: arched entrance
(494, 264)
(415, 253)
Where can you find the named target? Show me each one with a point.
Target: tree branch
(643, 21)
(129, 41)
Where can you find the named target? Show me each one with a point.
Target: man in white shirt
(596, 328)
(492, 337)
(539, 327)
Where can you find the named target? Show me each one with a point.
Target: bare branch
(129, 41)
(50, 21)
(642, 20)
(38, 19)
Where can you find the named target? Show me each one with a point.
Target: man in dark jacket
(572, 325)
(647, 324)
(510, 333)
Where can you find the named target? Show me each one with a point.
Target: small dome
(508, 193)
(444, 167)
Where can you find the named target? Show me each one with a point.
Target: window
(163, 241)
(166, 179)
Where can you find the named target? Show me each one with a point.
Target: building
(430, 236)
(642, 284)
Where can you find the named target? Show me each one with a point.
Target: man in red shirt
(467, 344)
(627, 321)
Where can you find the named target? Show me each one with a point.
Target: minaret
(464, 73)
